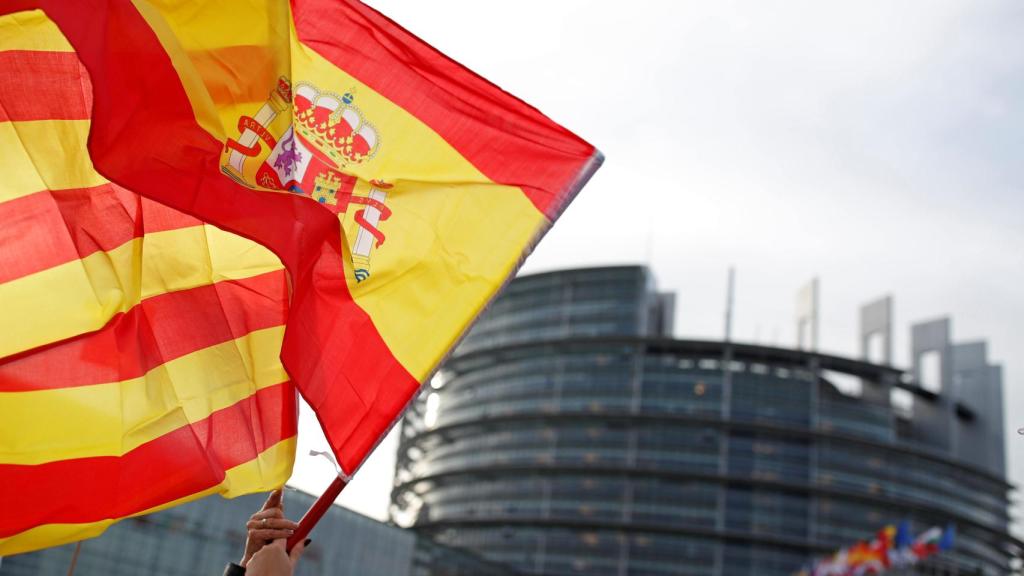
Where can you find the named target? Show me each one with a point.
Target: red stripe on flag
(183, 462)
(38, 85)
(53, 227)
(350, 377)
(159, 329)
(159, 218)
(508, 140)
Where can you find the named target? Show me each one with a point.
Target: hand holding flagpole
(316, 512)
(322, 504)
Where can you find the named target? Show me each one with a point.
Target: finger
(281, 543)
(273, 501)
(268, 514)
(277, 523)
(297, 551)
(272, 523)
(264, 535)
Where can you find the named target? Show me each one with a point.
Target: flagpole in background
(74, 558)
(316, 511)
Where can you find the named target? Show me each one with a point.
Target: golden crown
(334, 125)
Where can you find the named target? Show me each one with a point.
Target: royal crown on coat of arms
(333, 125)
(309, 152)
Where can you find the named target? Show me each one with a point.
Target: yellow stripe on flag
(112, 419)
(31, 30)
(45, 155)
(445, 244)
(266, 472)
(228, 53)
(211, 25)
(83, 295)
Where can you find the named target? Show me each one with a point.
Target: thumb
(297, 551)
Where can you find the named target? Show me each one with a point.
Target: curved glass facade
(567, 436)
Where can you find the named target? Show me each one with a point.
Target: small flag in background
(397, 190)
(893, 548)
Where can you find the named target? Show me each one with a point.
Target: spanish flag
(204, 204)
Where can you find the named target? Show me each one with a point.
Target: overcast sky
(875, 144)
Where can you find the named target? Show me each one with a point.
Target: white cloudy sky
(876, 144)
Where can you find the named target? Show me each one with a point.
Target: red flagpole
(316, 512)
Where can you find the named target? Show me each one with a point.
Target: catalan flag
(213, 201)
(139, 352)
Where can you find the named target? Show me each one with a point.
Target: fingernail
(306, 543)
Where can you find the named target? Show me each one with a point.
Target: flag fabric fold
(308, 179)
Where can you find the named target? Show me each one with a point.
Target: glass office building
(570, 434)
(200, 538)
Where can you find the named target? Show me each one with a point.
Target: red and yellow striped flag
(139, 352)
(397, 190)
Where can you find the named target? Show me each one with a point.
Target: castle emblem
(307, 152)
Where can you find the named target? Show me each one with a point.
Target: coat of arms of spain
(307, 153)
